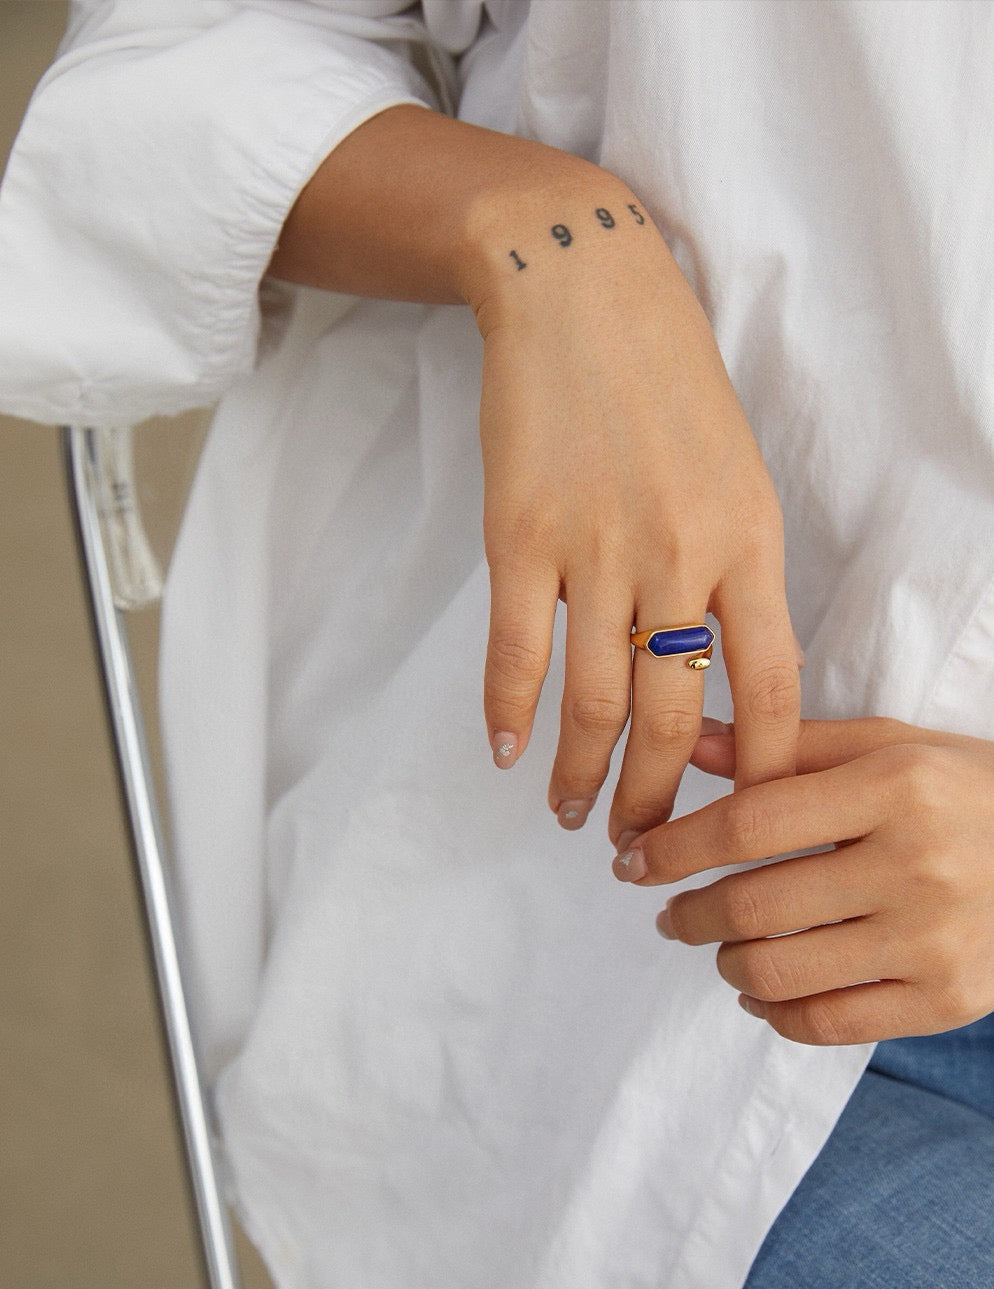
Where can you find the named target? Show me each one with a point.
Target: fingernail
(629, 866)
(798, 653)
(505, 749)
(626, 839)
(664, 926)
(750, 1005)
(710, 726)
(573, 814)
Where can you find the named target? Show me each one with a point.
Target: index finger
(523, 600)
(757, 643)
(757, 823)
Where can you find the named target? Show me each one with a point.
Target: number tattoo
(565, 238)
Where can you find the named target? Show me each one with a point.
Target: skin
(894, 926)
(620, 473)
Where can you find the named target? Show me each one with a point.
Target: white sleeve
(154, 170)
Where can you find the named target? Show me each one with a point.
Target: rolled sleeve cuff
(143, 202)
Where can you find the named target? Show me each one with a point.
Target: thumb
(822, 744)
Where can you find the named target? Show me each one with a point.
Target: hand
(622, 477)
(620, 472)
(894, 927)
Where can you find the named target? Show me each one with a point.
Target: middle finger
(596, 697)
(667, 702)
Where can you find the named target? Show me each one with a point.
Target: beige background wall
(92, 1190)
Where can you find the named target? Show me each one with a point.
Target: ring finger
(810, 962)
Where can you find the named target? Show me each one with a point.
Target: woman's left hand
(894, 927)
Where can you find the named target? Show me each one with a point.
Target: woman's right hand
(620, 472)
(621, 476)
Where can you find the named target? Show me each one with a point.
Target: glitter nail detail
(505, 749)
(571, 814)
(630, 866)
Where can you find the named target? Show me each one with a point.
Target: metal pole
(81, 451)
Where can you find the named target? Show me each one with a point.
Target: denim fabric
(902, 1195)
(959, 1064)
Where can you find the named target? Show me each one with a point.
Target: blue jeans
(902, 1195)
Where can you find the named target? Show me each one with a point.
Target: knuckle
(819, 1023)
(682, 562)
(924, 779)
(884, 731)
(940, 960)
(759, 534)
(757, 519)
(678, 908)
(774, 694)
(740, 911)
(512, 658)
(747, 824)
(917, 777)
(596, 715)
(935, 870)
(570, 782)
(522, 538)
(535, 530)
(666, 728)
(764, 976)
(957, 1002)
(645, 813)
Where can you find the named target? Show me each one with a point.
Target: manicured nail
(664, 926)
(629, 866)
(798, 653)
(505, 749)
(710, 726)
(750, 1005)
(573, 814)
(626, 839)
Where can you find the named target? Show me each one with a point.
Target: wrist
(568, 230)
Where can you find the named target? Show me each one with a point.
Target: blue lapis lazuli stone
(680, 640)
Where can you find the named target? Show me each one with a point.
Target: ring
(678, 642)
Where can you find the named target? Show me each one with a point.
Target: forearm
(416, 206)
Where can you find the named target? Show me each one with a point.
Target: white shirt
(449, 1049)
